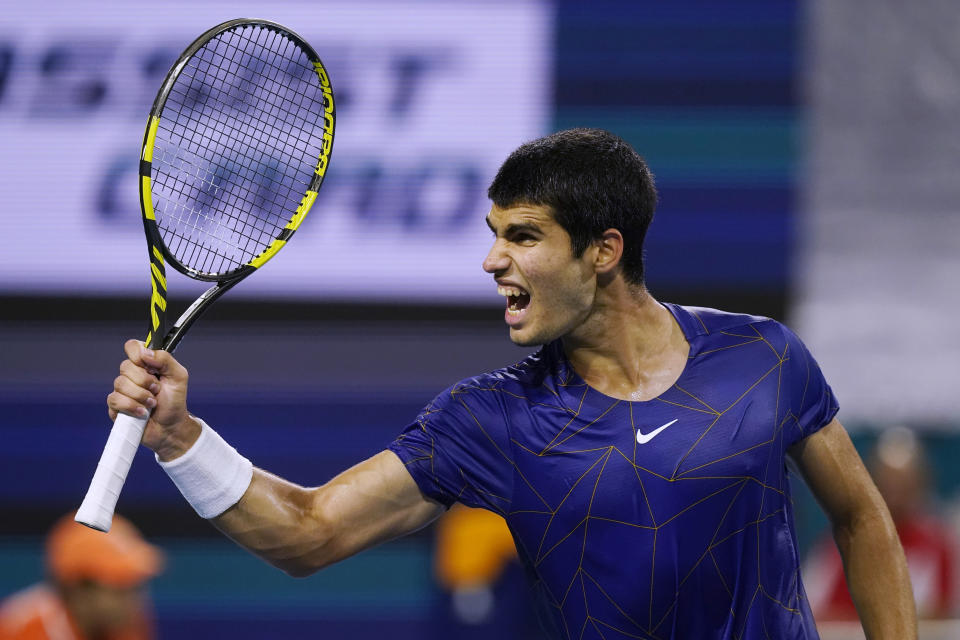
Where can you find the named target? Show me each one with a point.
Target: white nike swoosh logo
(644, 439)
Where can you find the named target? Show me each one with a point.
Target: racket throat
(158, 299)
(193, 312)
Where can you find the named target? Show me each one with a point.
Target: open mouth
(517, 299)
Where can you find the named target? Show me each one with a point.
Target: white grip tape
(96, 511)
(211, 475)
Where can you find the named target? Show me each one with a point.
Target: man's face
(548, 291)
(103, 608)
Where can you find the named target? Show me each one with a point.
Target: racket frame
(98, 505)
(158, 251)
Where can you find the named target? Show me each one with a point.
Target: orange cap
(120, 558)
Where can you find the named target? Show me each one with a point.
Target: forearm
(873, 559)
(283, 524)
(301, 530)
(877, 575)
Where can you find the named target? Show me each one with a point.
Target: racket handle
(96, 511)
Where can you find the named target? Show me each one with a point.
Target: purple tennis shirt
(667, 518)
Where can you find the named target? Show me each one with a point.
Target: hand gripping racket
(236, 147)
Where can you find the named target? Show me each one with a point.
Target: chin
(520, 342)
(523, 338)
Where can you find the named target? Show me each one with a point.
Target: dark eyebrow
(516, 228)
(523, 227)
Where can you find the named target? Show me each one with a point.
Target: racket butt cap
(94, 517)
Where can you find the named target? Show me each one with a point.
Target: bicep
(835, 474)
(374, 501)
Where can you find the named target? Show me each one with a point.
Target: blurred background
(806, 154)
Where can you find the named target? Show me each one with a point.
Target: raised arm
(297, 529)
(873, 559)
(302, 530)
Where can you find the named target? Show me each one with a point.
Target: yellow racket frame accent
(325, 120)
(326, 147)
(151, 138)
(147, 156)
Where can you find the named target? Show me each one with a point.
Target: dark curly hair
(592, 180)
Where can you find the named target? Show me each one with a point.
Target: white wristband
(211, 475)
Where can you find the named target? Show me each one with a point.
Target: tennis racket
(236, 148)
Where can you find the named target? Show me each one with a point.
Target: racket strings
(236, 148)
(248, 159)
(202, 223)
(199, 220)
(261, 125)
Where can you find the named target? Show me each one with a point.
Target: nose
(497, 260)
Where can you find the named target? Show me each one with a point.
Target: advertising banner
(431, 97)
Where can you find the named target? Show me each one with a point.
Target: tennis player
(639, 457)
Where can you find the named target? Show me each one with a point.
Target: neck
(85, 623)
(630, 347)
(85, 604)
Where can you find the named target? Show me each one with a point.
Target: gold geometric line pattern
(609, 599)
(743, 395)
(751, 388)
(703, 499)
(707, 551)
(684, 406)
(765, 341)
(653, 576)
(553, 442)
(702, 323)
(720, 575)
(560, 437)
(738, 335)
(554, 512)
(586, 526)
(494, 443)
(692, 447)
(732, 346)
(724, 458)
(636, 470)
(700, 400)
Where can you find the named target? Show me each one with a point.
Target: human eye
(523, 236)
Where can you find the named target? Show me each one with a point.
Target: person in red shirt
(95, 588)
(899, 468)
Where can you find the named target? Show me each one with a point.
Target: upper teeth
(512, 292)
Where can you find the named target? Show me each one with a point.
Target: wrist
(178, 440)
(211, 474)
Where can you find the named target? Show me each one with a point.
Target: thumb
(161, 363)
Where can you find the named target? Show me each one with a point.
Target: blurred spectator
(485, 593)
(95, 588)
(900, 470)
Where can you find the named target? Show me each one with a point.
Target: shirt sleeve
(812, 402)
(458, 448)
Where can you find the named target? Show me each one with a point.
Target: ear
(609, 250)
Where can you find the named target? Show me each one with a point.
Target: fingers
(120, 402)
(144, 377)
(144, 395)
(133, 391)
(138, 376)
(155, 361)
